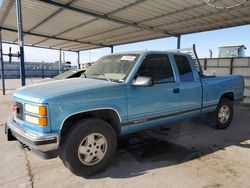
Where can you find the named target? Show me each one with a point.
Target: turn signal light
(41, 121)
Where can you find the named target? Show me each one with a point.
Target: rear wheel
(223, 115)
(88, 147)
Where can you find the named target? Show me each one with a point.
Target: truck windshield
(113, 67)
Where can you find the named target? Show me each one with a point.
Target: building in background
(232, 51)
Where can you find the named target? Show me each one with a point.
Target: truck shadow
(174, 144)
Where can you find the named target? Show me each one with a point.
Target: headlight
(42, 121)
(39, 110)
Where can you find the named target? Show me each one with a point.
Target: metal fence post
(43, 69)
(231, 66)
(2, 63)
(205, 64)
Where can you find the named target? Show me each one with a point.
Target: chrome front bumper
(40, 144)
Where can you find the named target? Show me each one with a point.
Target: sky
(203, 41)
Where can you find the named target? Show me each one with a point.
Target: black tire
(68, 149)
(214, 118)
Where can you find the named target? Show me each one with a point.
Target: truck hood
(38, 92)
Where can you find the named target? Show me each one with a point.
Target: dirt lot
(184, 154)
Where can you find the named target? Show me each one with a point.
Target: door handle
(176, 90)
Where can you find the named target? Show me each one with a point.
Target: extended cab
(79, 119)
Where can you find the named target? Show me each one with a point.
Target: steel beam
(127, 6)
(70, 29)
(51, 37)
(2, 63)
(20, 40)
(35, 46)
(48, 17)
(175, 12)
(113, 44)
(95, 19)
(73, 45)
(6, 12)
(135, 3)
(203, 15)
(107, 17)
(60, 44)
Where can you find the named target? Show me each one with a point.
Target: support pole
(78, 59)
(43, 69)
(112, 49)
(231, 66)
(205, 64)
(2, 63)
(60, 60)
(179, 42)
(20, 40)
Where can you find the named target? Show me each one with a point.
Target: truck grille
(19, 110)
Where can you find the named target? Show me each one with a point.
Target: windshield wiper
(84, 75)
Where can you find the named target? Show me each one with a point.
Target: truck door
(189, 83)
(158, 101)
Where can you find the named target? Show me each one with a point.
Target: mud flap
(9, 134)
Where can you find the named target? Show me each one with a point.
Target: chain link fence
(42, 70)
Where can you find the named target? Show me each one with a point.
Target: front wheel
(88, 147)
(223, 115)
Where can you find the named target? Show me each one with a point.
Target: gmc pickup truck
(79, 119)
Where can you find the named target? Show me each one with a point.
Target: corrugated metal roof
(87, 24)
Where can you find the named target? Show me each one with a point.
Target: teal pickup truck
(79, 119)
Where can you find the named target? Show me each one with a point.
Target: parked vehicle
(79, 119)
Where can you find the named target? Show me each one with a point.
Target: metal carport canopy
(88, 24)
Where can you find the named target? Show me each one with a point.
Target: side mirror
(142, 81)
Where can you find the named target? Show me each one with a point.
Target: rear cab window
(158, 67)
(184, 68)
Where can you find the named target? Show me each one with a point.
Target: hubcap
(224, 114)
(92, 149)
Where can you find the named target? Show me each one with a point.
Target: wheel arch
(109, 115)
(228, 95)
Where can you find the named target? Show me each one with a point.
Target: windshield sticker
(128, 58)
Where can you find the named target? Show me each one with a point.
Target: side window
(184, 68)
(158, 67)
